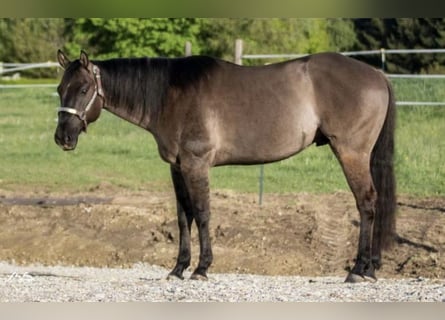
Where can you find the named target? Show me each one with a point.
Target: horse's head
(81, 99)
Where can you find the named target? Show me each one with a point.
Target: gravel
(147, 283)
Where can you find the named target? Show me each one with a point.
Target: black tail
(382, 170)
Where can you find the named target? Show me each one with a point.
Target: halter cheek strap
(98, 91)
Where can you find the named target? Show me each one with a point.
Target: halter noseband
(98, 91)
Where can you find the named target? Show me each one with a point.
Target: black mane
(141, 84)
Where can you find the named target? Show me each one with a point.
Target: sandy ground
(290, 234)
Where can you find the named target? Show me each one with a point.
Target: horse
(205, 112)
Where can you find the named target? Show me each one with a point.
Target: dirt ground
(290, 234)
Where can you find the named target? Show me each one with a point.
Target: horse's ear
(84, 59)
(63, 59)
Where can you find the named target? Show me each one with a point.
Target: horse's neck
(120, 109)
(129, 101)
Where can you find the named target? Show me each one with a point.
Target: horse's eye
(84, 91)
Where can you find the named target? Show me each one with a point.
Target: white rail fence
(239, 56)
(11, 68)
(6, 67)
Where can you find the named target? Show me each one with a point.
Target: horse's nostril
(68, 139)
(57, 139)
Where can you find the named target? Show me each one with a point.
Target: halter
(98, 91)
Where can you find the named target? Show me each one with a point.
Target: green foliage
(275, 36)
(106, 38)
(341, 33)
(34, 40)
(31, 40)
(409, 33)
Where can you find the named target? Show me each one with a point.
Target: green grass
(420, 156)
(419, 89)
(118, 153)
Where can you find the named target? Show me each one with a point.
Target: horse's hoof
(356, 278)
(172, 276)
(197, 276)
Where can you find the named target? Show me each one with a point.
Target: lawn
(118, 153)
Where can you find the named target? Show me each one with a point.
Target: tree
(31, 40)
(341, 34)
(275, 36)
(166, 37)
(107, 38)
(407, 33)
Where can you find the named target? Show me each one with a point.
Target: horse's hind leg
(356, 166)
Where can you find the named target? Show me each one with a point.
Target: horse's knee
(202, 218)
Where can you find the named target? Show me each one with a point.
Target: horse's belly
(266, 146)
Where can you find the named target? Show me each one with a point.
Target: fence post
(188, 48)
(383, 57)
(239, 51)
(261, 188)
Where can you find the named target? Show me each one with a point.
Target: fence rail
(416, 76)
(346, 53)
(239, 56)
(6, 67)
(22, 86)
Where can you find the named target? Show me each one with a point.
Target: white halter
(98, 91)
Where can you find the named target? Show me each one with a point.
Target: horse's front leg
(199, 194)
(185, 219)
(195, 171)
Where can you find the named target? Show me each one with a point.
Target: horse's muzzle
(66, 141)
